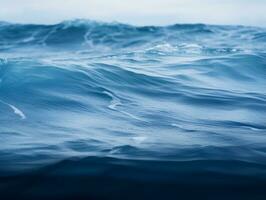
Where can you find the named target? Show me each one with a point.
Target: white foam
(132, 116)
(29, 39)
(45, 38)
(176, 125)
(114, 102)
(15, 110)
(139, 139)
(87, 41)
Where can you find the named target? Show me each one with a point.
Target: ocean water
(94, 110)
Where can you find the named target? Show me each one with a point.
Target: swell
(53, 86)
(173, 93)
(113, 94)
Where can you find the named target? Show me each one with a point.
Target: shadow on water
(110, 178)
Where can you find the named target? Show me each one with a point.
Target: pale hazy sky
(140, 12)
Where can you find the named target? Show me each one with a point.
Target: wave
(84, 33)
(155, 99)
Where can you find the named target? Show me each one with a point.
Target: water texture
(82, 96)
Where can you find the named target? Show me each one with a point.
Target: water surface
(132, 106)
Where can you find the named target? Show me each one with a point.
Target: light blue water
(174, 93)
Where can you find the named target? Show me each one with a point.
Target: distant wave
(83, 33)
(179, 93)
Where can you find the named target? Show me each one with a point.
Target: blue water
(154, 107)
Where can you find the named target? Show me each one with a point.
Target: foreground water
(86, 105)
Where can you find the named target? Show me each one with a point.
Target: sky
(137, 12)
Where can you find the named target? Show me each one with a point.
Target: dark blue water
(91, 110)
